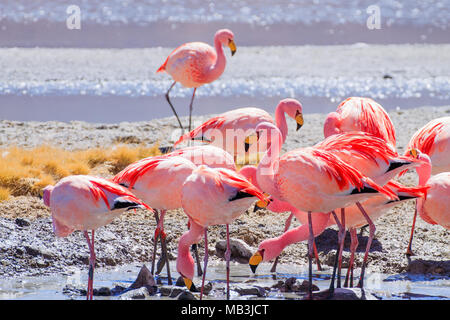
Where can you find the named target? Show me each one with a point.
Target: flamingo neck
(269, 164)
(219, 65)
(185, 262)
(280, 120)
(424, 171)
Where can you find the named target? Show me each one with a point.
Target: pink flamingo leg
(165, 255)
(173, 109)
(310, 254)
(409, 250)
(316, 254)
(341, 247)
(336, 260)
(353, 247)
(372, 230)
(155, 241)
(205, 263)
(190, 108)
(227, 257)
(287, 224)
(90, 290)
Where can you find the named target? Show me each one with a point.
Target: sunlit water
(381, 285)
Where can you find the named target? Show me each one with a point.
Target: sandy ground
(29, 246)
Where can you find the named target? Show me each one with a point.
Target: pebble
(241, 252)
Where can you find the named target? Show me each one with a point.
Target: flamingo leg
(165, 255)
(409, 250)
(191, 107)
(310, 254)
(155, 242)
(372, 230)
(287, 224)
(205, 263)
(341, 247)
(336, 260)
(227, 257)
(90, 290)
(173, 109)
(316, 254)
(353, 246)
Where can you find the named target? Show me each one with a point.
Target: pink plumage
(361, 114)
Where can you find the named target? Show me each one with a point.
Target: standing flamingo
(158, 181)
(324, 181)
(433, 139)
(434, 208)
(228, 130)
(212, 196)
(87, 203)
(196, 63)
(361, 114)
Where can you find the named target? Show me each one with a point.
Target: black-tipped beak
(298, 126)
(232, 47)
(256, 208)
(247, 146)
(253, 267)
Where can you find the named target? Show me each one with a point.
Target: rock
(345, 294)
(117, 290)
(304, 287)
(186, 295)
(141, 293)
(245, 290)
(145, 279)
(21, 222)
(32, 251)
(103, 291)
(240, 251)
(180, 282)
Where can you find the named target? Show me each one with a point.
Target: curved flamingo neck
(424, 170)
(267, 166)
(218, 67)
(280, 120)
(185, 262)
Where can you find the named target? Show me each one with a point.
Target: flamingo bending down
(435, 207)
(433, 139)
(196, 63)
(87, 203)
(228, 130)
(324, 181)
(212, 196)
(361, 114)
(375, 207)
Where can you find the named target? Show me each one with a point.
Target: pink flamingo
(324, 181)
(433, 139)
(361, 114)
(212, 196)
(375, 207)
(196, 63)
(87, 203)
(158, 181)
(434, 208)
(229, 129)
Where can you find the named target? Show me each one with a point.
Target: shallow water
(390, 287)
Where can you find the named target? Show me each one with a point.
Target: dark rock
(387, 76)
(145, 279)
(21, 222)
(245, 290)
(103, 291)
(180, 282)
(186, 295)
(117, 290)
(176, 291)
(304, 287)
(240, 251)
(32, 251)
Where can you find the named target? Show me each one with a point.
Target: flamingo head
(185, 268)
(424, 170)
(294, 110)
(268, 250)
(331, 125)
(226, 38)
(46, 194)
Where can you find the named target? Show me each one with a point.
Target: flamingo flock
(348, 179)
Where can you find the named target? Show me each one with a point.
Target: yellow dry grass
(28, 171)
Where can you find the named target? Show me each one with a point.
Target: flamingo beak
(261, 204)
(250, 140)
(232, 47)
(414, 153)
(255, 260)
(189, 284)
(299, 120)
